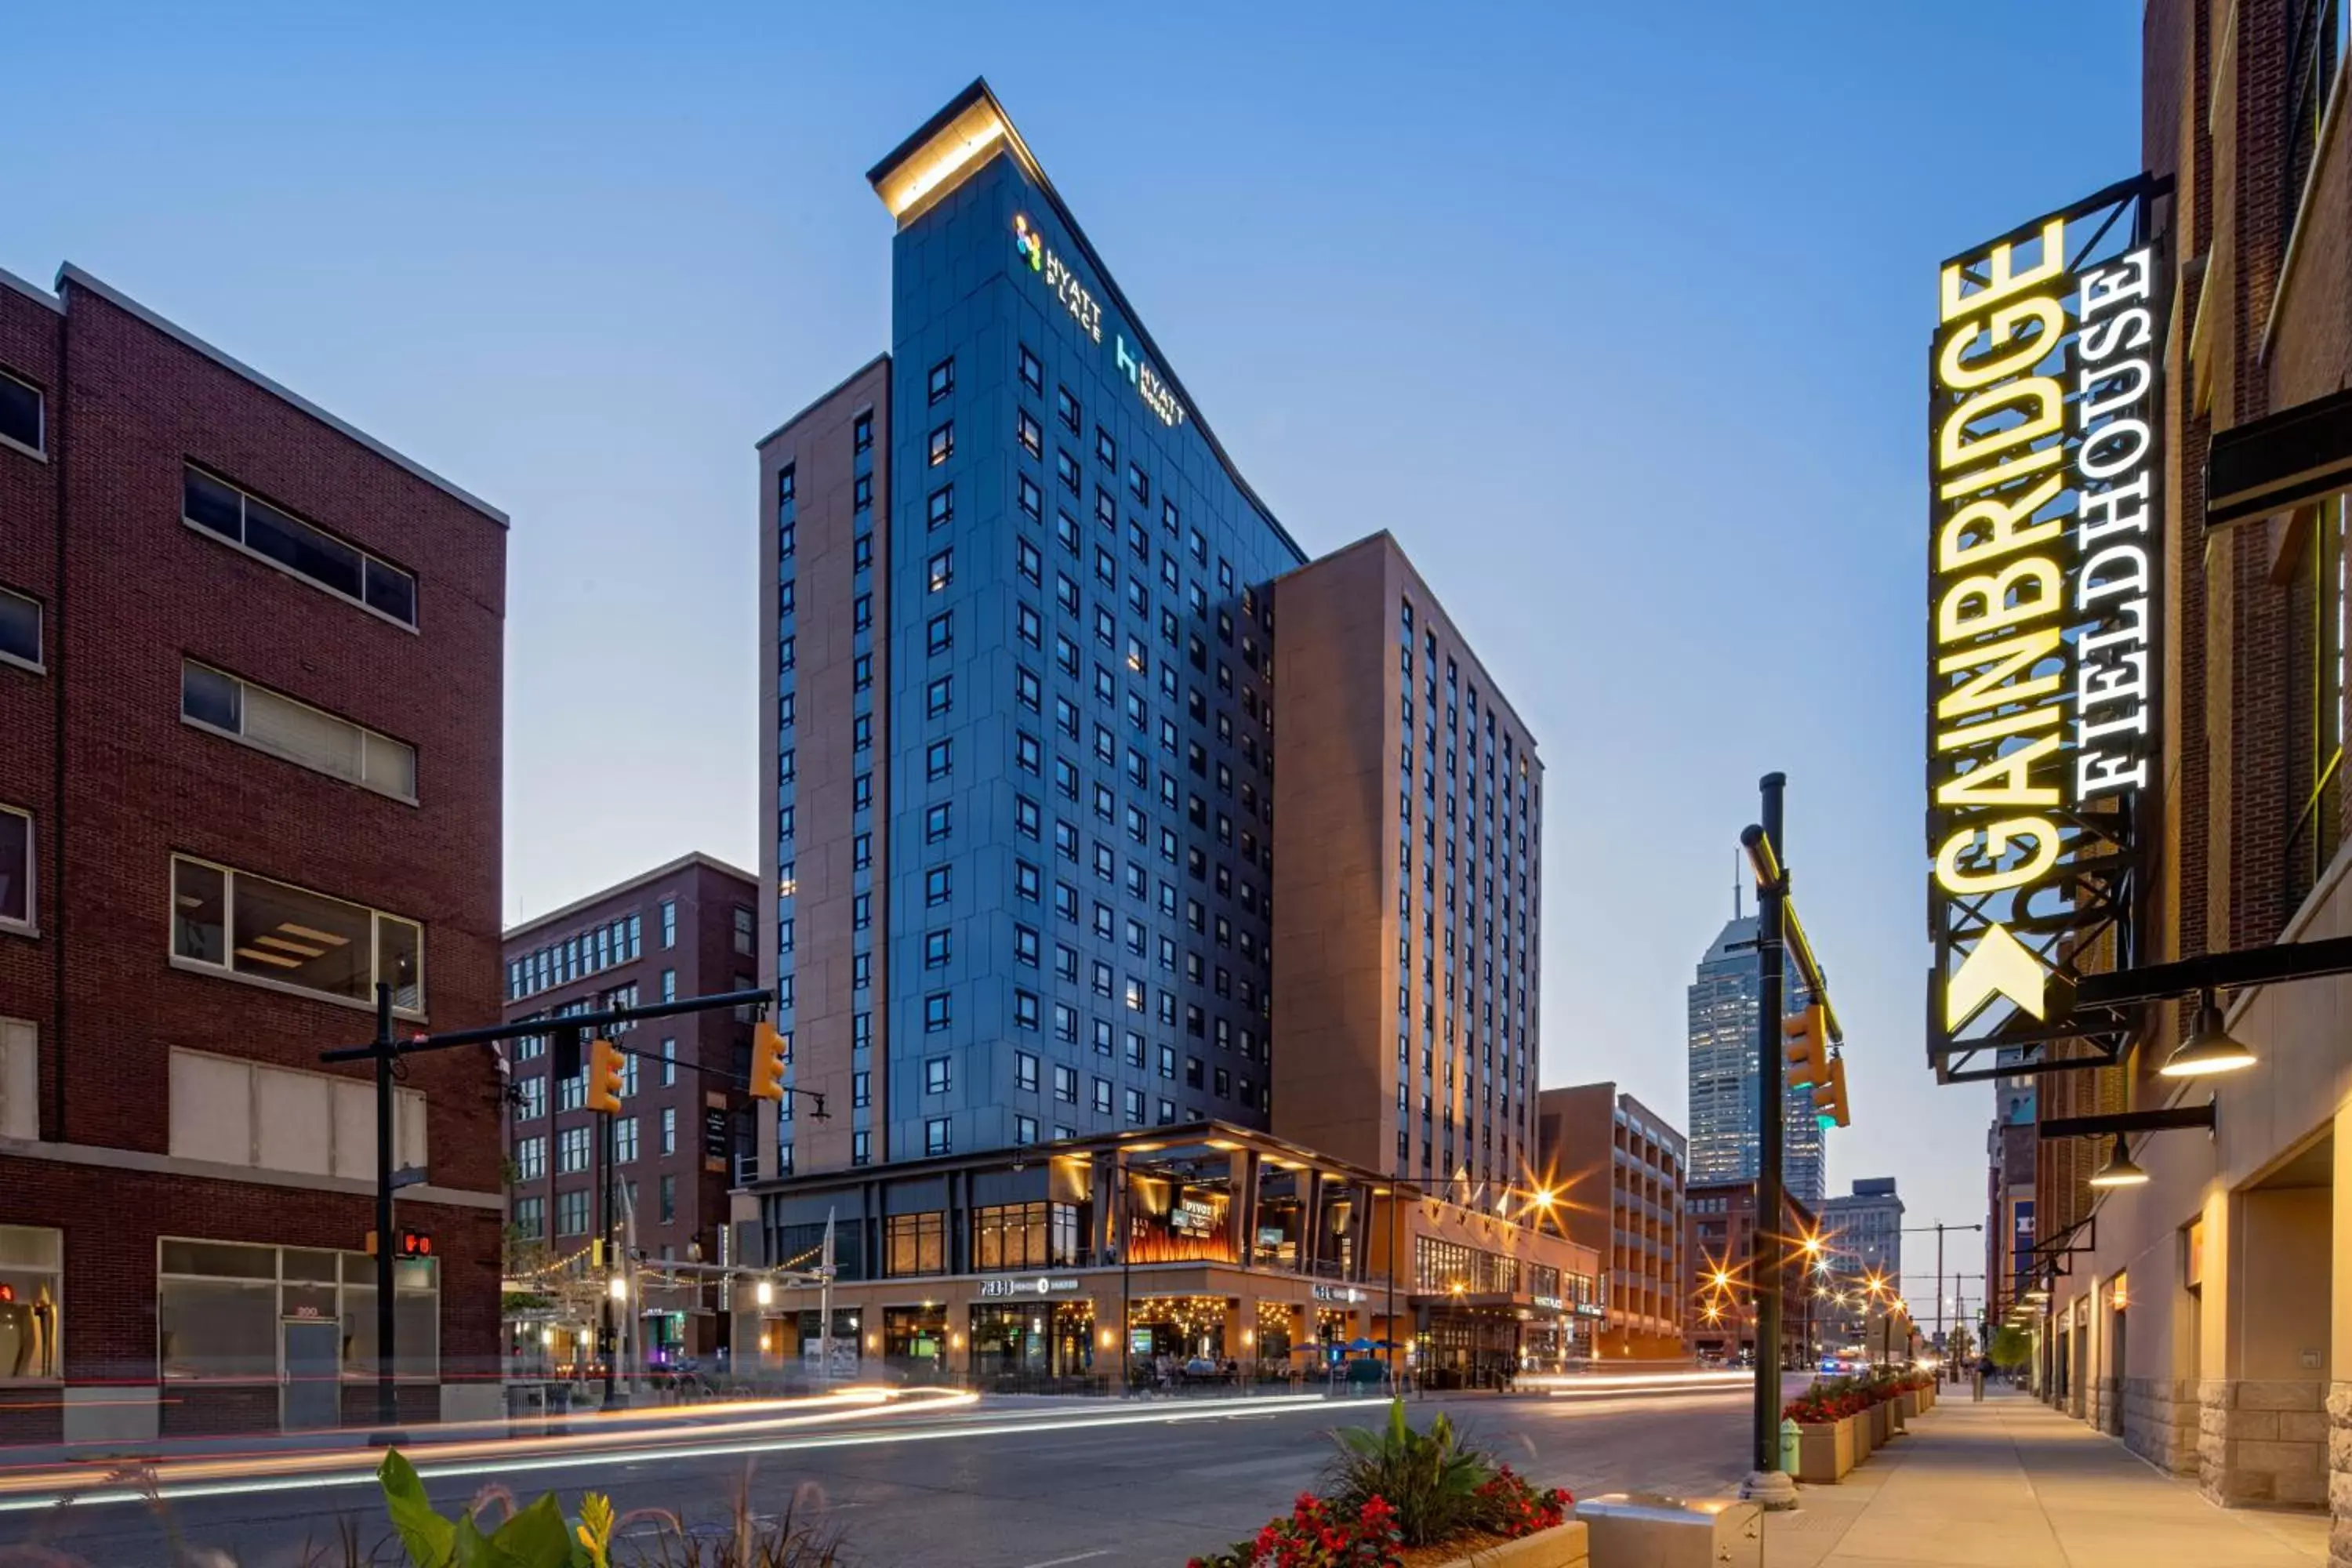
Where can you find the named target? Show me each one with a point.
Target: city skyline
(476, 351)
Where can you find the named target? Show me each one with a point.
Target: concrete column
(2340, 1341)
(2272, 1423)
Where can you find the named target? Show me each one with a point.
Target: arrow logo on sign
(1998, 966)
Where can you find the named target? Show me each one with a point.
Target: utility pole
(387, 1402)
(612, 1257)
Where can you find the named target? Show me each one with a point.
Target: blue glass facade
(1079, 667)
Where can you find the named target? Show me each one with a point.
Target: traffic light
(605, 1078)
(566, 1051)
(1805, 1046)
(1829, 1096)
(768, 1057)
(415, 1244)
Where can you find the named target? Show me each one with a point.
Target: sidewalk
(2014, 1483)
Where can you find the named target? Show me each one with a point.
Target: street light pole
(1770, 1485)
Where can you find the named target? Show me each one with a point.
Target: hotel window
(1066, 407)
(238, 923)
(861, 1148)
(942, 379)
(2322, 604)
(1131, 1105)
(1106, 450)
(21, 422)
(786, 652)
(1102, 1097)
(939, 696)
(939, 571)
(1139, 485)
(305, 736)
(936, 949)
(940, 508)
(943, 444)
(571, 1213)
(1033, 436)
(534, 1100)
(669, 985)
(861, 1030)
(571, 1151)
(861, 672)
(862, 431)
(1033, 500)
(938, 822)
(1029, 693)
(298, 548)
(1024, 1130)
(17, 909)
(1066, 467)
(861, 971)
(530, 1218)
(1031, 567)
(861, 551)
(915, 1243)
(668, 1204)
(861, 792)
(530, 1159)
(861, 1090)
(1033, 371)
(938, 759)
(861, 731)
(935, 1075)
(669, 1060)
(861, 612)
(20, 630)
(939, 633)
(861, 492)
(937, 886)
(625, 1138)
(1024, 1009)
(785, 542)
(936, 1015)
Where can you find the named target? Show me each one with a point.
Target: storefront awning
(2271, 464)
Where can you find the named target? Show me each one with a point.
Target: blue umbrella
(1362, 1345)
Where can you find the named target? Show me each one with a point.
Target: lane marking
(428, 1470)
(1081, 1557)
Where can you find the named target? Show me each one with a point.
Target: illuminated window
(943, 444)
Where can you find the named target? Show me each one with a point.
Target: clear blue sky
(1616, 316)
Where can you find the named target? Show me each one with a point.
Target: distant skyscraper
(1865, 1231)
(1723, 999)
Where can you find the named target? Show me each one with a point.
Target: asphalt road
(1063, 1486)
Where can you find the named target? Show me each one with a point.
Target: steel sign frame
(2045, 548)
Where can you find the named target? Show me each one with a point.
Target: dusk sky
(1616, 316)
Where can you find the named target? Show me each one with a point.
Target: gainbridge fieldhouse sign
(2044, 558)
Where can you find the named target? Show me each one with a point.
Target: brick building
(250, 707)
(1597, 1140)
(1719, 1248)
(686, 929)
(2202, 1314)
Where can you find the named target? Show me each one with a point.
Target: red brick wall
(130, 404)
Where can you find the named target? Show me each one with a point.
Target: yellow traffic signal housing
(1829, 1096)
(605, 1077)
(1806, 1047)
(768, 1055)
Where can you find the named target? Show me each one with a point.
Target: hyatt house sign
(2044, 554)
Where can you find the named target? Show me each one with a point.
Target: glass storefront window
(1025, 1236)
(916, 1337)
(1010, 1340)
(32, 1306)
(220, 1308)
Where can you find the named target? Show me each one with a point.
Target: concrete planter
(1897, 1416)
(1865, 1436)
(1914, 1404)
(1825, 1451)
(1882, 1425)
(1565, 1546)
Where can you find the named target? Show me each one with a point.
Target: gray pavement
(1058, 1489)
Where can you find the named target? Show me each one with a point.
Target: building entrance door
(314, 1373)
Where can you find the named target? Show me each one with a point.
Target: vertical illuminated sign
(2043, 556)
